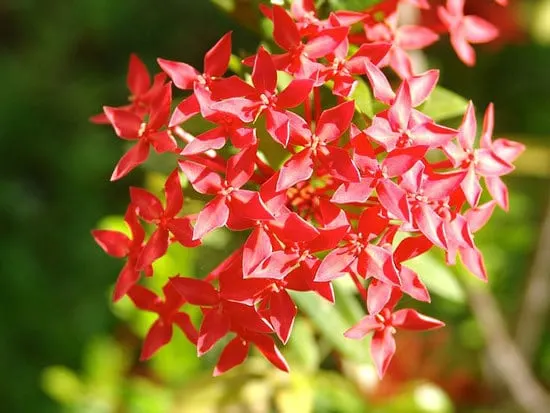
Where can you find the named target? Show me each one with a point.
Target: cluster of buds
(348, 201)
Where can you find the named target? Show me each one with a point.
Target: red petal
(214, 326)
(378, 295)
(174, 194)
(212, 139)
(185, 110)
(412, 284)
(240, 167)
(422, 86)
(409, 319)
(138, 79)
(285, 32)
(264, 74)
(213, 215)
(126, 124)
(297, 169)
(234, 354)
(148, 207)
(400, 111)
(415, 37)
(256, 249)
(130, 160)
(366, 325)
(202, 179)
(382, 349)
(295, 93)
(473, 260)
(196, 292)
(339, 164)
(325, 42)
(335, 121)
(217, 58)
(335, 265)
(276, 266)
(498, 190)
(267, 347)
(113, 243)
(155, 248)
(430, 224)
(183, 321)
(181, 74)
(144, 299)
(400, 160)
(158, 336)
(278, 126)
(127, 278)
(394, 199)
(249, 205)
(282, 312)
(183, 232)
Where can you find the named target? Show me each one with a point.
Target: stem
(360, 288)
(307, 110)
(536, 302)
(504, 354)
(317, 98)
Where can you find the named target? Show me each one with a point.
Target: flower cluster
(355, 197)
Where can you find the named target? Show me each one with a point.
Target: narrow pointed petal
(233, 355)
(181, 74)
(471, 187)
(295, 93)
(114, 243)
(126, 280)
(285, 32)
(334, 265)
(282, 312)
(256, 249)
(498, 190)
(382, 349)
(335, 121)
(130, 160)
(473, 260)
(325, 42)
(422, 86)
(394, 199)
(378, 295)
(201, 178)
(267, 347)
(365, 326)
(412, 285)
(147, 205)
(409, 319)
(214, 215)
(196, 292)
(297, 169)
(126, 124)
(380, 85)
(158, 336)
(264, 74)
(351, 192)
(138, 79)
(215, 325)
(216, 59)
(278, 126)
(155, 248)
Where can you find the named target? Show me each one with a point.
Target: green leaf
(331, 324)
(363, 98)
(302, 349)
(439, 278)
(61, 384)
(355, 5)
(444, 104)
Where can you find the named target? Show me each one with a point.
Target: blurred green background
(60, 61)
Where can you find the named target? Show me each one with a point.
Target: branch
(536, 303)
(505, 355)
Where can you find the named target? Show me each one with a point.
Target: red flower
(168, 312)
(384, 325)
(119, 245)
(465, 30)
(150, 209)
(129, 126)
